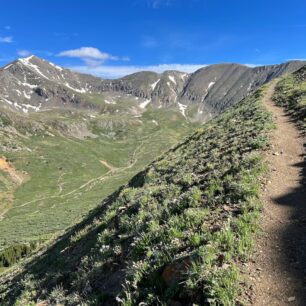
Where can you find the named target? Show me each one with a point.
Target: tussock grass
(175, 233)
(290, 92)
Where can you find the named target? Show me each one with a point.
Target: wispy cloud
(120, 71)
(6, 39)
(253, 65)
(155, 4)
(91, 56)
(7, 27)
(297, 59)
(149, 42)
(23, 53)
(159, 3)
(112, 72)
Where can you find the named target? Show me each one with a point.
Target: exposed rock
(173, 273)
(32, 84)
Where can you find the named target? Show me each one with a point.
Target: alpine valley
(69, 141)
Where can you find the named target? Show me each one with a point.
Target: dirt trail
(91, 183)
(278, 272)
(107, 165)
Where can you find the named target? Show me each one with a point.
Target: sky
(112, 38)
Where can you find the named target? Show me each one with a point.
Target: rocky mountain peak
(34, 84)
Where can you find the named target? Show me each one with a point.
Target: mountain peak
(29, 58)
(32, 83)
(33, 60)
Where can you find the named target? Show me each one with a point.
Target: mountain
(65, 145)
(169, 230)
(175, 234)
(32, 84)
(217, 87)
(163, 89)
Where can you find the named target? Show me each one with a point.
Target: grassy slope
(65, 176)
(176, 232)
(290, 92)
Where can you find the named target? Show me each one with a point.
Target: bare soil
(278, 269)
(7, 167)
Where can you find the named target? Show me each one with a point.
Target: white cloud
(112, 72)
(253, 65)
(297, 59)
(23, 53)
(6, 39)
(120, 71)
(87, 52)
(91, 56)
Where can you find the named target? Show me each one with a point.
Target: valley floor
(279, 267)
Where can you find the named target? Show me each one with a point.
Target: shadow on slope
(290, 93)
(294, 237)
(59, 261)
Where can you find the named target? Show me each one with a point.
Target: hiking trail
(278, 269)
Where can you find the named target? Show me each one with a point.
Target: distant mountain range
(32, 84)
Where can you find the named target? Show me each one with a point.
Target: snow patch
(207, 89)
(29, 106)
(24, 107)
(145, 103)
(26, 61)
(55, 66)
(182, 108)
(8, 66)
(26, 95)
(210, 85)
(172, 79)
(154, 84)
(82, 90)
(169, 85)
(250, 86)
(6, 100)
(183, 76)
(27, 85)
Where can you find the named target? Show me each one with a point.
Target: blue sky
(112, 38)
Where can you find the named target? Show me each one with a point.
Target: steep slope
(290, 93)
(279, 260)
(163, 89)
(32, 84)
(173, 235)
(217, 87)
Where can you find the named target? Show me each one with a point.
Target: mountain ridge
(172, 235)
(32, 84)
